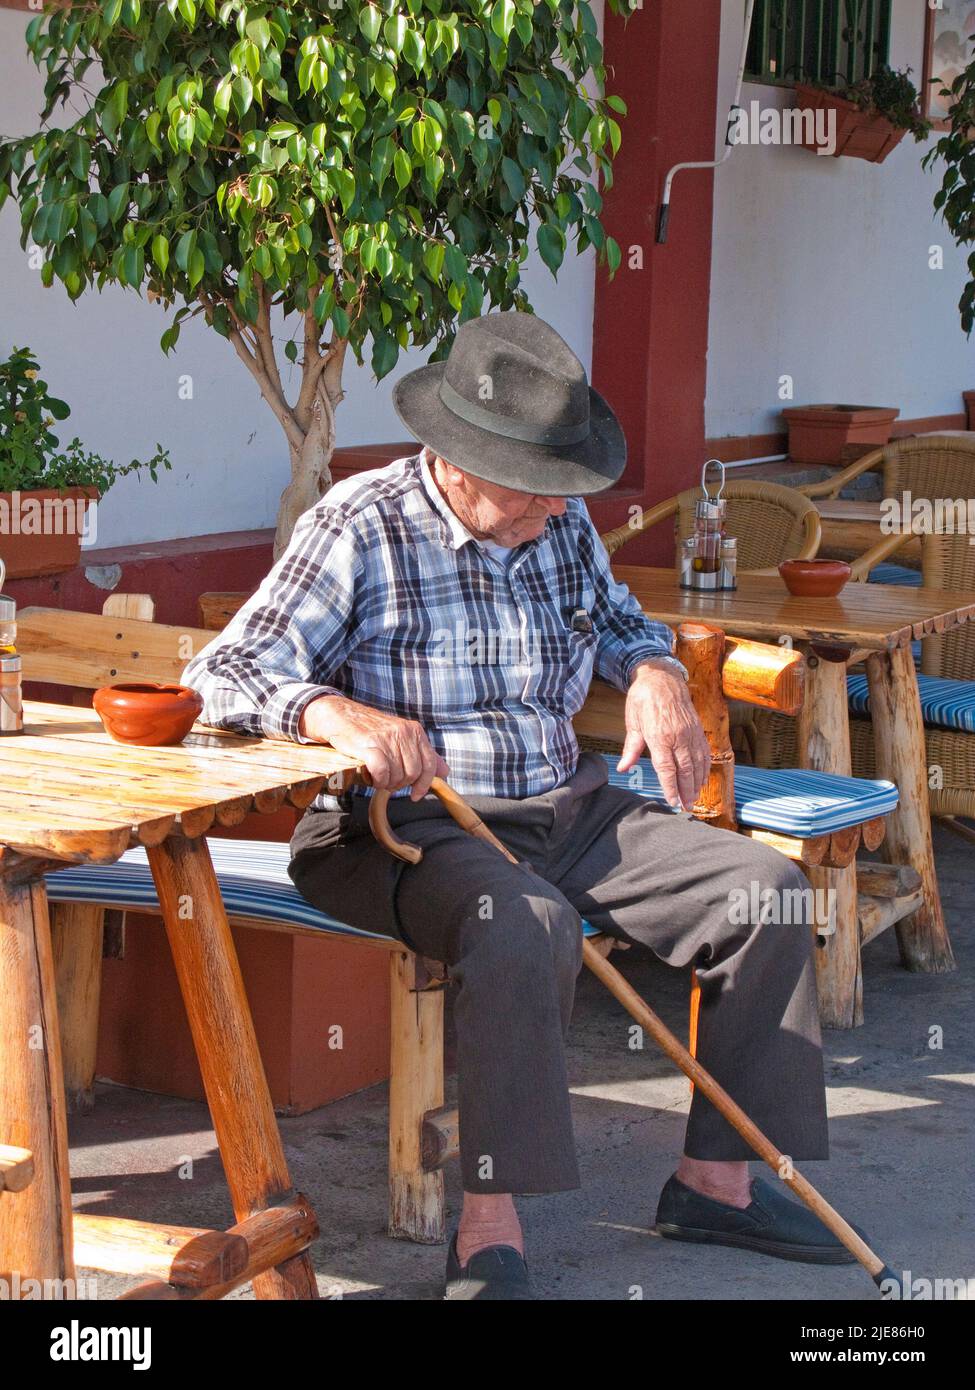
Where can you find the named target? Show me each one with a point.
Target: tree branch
(255, 365)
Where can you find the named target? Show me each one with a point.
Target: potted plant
(46, 488)
(872, 116)
(823, 433)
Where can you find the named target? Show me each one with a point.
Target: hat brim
(575, 470)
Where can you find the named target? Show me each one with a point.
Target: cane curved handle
(383, 831)
(466, 818)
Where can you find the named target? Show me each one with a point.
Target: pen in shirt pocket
(580, 620)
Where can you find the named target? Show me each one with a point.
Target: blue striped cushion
(788, 801)
(948, 704)
(253, 877)
(887, 573)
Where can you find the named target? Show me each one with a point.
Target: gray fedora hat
(512, 405)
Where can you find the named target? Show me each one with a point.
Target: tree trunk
(311, 475)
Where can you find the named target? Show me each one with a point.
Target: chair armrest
(864, 563)
(829, 487)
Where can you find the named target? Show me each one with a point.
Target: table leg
(824, 746)
(226, 1046)
(901, 755)
(35, 1224)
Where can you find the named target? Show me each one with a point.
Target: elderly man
(444, 616)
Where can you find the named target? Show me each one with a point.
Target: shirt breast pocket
(579, 659)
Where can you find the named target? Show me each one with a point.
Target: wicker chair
(772, 523)
(947, 562)
(927, 465)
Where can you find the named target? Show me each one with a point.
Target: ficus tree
(955, 199)
(315, 179)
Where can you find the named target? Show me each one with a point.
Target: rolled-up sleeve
(626, 635)
(282, 649)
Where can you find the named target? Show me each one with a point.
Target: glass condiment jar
(729, 562)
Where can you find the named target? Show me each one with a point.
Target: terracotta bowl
(814, 578)
(147, 713)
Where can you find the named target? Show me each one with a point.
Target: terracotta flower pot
(147, 713)
(859, 134)
(814, 578)
(820, 433)
(41, 529)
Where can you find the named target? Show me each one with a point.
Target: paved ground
(902, 1120)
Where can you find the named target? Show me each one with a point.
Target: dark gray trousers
(511, 938)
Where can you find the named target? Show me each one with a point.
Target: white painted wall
(820, 270)
(102, 356)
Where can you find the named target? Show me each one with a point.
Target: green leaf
(514, 178)
(291, 350)
(195, 269)
(551, 246)
(414, 49)
(187, 9)
(617, 103)
(118, 201)
(384, 81)
(80, 159)
(340, 321)
(503, 17)
(98, 207)
(433, 258)
(614, 255)
(259, 31)
(402, 168)
(395, 32)
(382, 159)
(160, 252)
(133, 265)
(281, 130)
(243, 94)
(119, 101)
(185, 248)
(433, 167)
(370, 22)
(221, 97)
(345, 184)
(385, 351)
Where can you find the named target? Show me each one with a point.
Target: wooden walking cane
(638, 1009)
(717, 667)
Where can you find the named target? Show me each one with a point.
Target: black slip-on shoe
(771, 1224)
(497, 1272)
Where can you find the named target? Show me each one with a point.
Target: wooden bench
(253, 878)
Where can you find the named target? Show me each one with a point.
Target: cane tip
(891, 1285)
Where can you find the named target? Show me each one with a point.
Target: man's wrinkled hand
(661, 717)
(396, 751)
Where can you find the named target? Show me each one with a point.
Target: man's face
(494, 513)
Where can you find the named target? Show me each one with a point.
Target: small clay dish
(814, 578)
(147, 713)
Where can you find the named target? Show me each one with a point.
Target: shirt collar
(457, 532)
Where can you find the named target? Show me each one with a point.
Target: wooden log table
(871, 622)
(69, 794)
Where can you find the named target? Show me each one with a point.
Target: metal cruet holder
(708, 558)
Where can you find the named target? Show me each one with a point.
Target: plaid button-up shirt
(385, 597)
